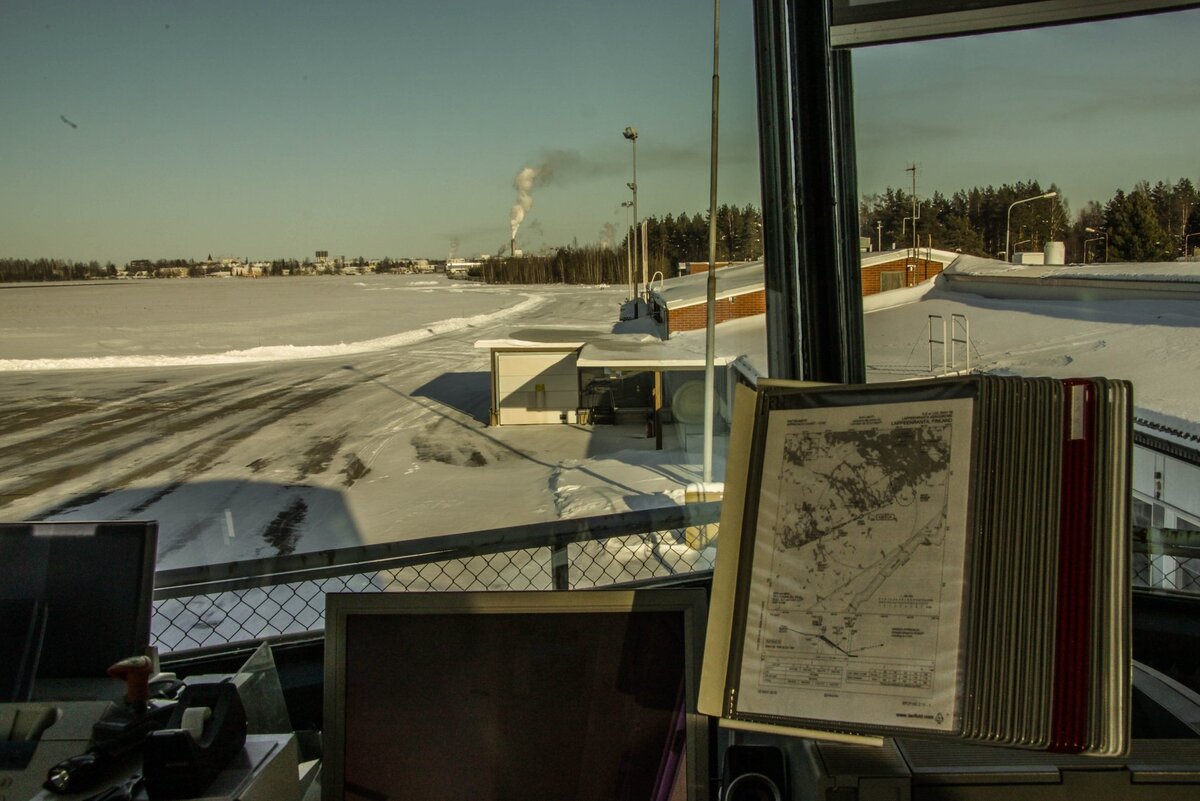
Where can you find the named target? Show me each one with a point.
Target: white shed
(533, 382)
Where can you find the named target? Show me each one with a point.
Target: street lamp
(1103, 233)
(631, 134)
(1008, 219)
(1187, 239)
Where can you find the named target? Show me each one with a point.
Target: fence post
(560, 566)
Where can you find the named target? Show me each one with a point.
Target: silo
(1056, 253)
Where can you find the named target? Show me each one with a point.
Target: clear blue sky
(395, 128)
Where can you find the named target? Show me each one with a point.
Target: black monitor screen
(96, 580)
(516, 696)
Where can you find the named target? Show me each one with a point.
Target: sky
(396, 127)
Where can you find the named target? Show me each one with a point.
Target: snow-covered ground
(1153, 343)
(252, 418)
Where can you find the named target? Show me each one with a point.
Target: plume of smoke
(562, 166)
(454, 244)
(524, 183)
(552, 163)
(608, 235)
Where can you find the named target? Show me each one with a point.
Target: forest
(1149, 223)
(1159, 222)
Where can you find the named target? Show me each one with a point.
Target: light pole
(1008, 219)
(1187, 238)
(631, 134)
(628, 204)
(1103, 233)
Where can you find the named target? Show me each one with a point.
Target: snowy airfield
(254, 418)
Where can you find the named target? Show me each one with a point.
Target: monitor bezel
(144, 532)
(340, 607)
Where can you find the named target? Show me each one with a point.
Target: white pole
(710, 338)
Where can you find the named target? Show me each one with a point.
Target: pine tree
(1134, 232)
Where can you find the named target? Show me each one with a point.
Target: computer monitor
(96, 581)
(537, 696)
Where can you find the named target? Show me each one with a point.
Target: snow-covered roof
(1167, 434)
(1076, 281)
(1186, 271)
(885, 256)
(688, 290)
(644, 352)
(542, 338)
(744, 339)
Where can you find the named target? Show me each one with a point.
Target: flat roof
(543, 338)
(1181, 271)
(645, 352)
(688, 290)
(884, 256)
(735, 339)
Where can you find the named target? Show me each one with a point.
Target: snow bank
(273, 353)
(898, 297)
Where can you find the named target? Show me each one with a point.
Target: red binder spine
(1069, 714)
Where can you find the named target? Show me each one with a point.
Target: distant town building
(460, 268)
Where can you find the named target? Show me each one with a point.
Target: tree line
(670, 240)
(1149, 223)
(12, 270)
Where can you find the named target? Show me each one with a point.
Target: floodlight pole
(631, 134)
(1008, 219)
(710, 331)
(1187, 238)
(1103, 233)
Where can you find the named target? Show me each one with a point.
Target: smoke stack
(512, 247)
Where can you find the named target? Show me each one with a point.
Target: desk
(266, 770)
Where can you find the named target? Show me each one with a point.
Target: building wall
(922, 269)
(695, 317)
(534, 387)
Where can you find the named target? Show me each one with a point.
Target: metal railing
(214, 605)
(1166, 559)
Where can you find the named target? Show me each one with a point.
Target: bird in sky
(68, 122)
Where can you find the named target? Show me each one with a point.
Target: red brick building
(896, 269)
(681, 303)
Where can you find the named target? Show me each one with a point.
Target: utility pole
(913, 169)
(631, 134)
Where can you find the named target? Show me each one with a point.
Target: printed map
(858, 564)
(860, 504)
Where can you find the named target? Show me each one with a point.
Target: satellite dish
(687, 404)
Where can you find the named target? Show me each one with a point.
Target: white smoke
(524, 182)
(608, 235)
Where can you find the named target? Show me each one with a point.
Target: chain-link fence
(219, 604)
(1166, 559)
